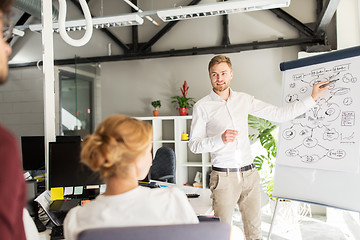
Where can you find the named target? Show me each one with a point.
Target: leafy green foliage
(183, 102)
(156, 104)
(266, 134)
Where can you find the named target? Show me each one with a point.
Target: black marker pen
(324, 85)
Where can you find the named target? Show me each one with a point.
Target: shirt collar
(216, 97)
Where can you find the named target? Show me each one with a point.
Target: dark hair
(5, 6)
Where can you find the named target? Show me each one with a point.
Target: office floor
(288, 227)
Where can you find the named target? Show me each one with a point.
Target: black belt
(242, 169)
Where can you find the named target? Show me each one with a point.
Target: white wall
(21, 102)
(128, 87)
(347, 24)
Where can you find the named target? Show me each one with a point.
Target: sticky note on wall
(57, 193)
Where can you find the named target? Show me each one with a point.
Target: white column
(48, 83)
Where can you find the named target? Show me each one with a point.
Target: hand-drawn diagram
(326, 136)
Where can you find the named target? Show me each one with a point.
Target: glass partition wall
(76, 99)
(76, 104)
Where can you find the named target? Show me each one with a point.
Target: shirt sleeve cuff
(218, 141)
(309, 102)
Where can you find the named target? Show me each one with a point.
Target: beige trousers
(242, 188)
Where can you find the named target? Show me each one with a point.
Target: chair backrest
(200, 231)
(164, 165)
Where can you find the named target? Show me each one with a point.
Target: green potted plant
(183, 102)
(156, 104)
(267, 135)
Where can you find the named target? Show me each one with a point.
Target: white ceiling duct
(88, 28)
(33, 7)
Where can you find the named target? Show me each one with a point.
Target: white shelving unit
(167, 131)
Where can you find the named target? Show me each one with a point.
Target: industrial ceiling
(311, 36)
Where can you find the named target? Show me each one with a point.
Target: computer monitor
(33, 152)
(68, 138)
(65, 168)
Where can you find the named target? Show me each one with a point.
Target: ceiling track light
(221, 8)
(101, 22)
(140, 11)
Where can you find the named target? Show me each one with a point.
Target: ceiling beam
(326, 15)
(225, 37)
(106, 31)
(157, 36)
(146, 47)
(225, 25)
(135, 31)
(302, 28)
(319, 7)
(186, 52)
(22, 20)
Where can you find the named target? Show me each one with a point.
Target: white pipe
(89, 26)
(48, 81)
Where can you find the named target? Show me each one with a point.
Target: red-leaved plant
(183, 101)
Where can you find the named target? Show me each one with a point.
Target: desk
(201, 205)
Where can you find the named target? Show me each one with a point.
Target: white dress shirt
(138, 207)
(212, 116)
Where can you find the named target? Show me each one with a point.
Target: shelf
(167, 131)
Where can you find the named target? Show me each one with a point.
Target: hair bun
(115, 144)
(95, 150)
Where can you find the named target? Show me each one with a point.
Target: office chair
(164, 166)
(206, 230)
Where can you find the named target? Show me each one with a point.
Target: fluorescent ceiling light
(220, 8)
(100, 22)
(17, 32)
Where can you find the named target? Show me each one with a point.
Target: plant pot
(182, 111)
(156, 113)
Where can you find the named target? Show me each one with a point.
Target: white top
(212, 116)
(138, 207)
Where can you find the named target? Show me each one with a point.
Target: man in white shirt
(220, 126)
